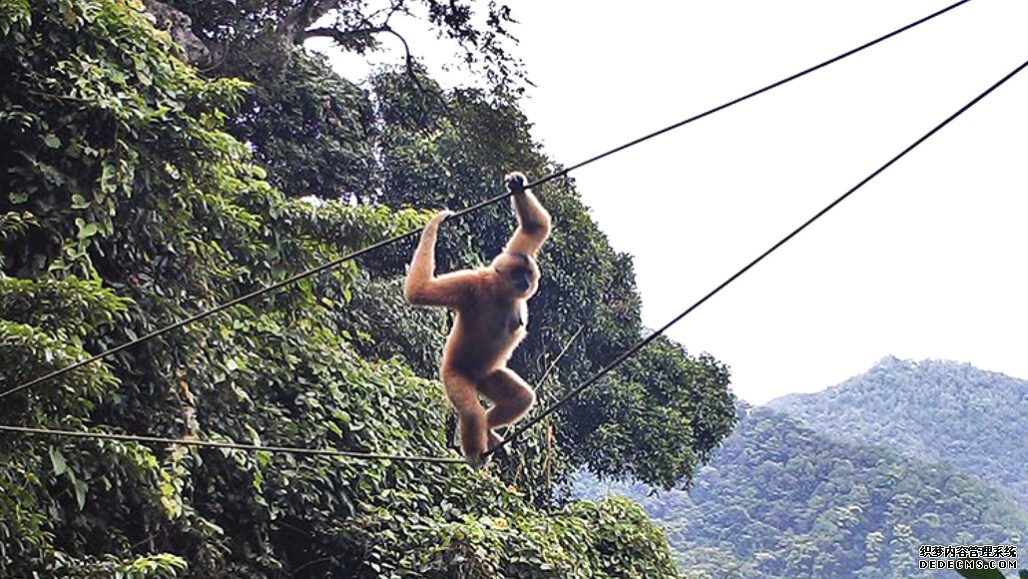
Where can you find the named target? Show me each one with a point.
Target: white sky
(925, 261)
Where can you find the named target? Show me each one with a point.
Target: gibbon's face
(518, 272)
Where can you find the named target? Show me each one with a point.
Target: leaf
(80, 493)
(60, 465)
(79, 202)
(52, 141)
(255, 437)
(88, 230)
(107, 178)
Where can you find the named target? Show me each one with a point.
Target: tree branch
(343, 37)
(293, 27)
(178, 24)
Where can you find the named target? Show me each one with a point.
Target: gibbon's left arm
(422, 287)
(533, 219)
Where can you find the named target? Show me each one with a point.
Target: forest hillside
(781, 500)
(933, 410)
(162, 158)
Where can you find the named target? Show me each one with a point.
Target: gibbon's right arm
(423, 288)
(533, 219)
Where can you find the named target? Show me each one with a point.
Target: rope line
(553, 365)
(757, 92)
(227, 445)
(339, 261)
(642, 343)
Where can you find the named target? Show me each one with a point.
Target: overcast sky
(926, 261)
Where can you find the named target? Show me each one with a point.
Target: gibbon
(491, 313)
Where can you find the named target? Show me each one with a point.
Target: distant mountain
(780, 500)
(974, 420)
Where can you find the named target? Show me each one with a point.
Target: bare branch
(346, 37)
(292, 28)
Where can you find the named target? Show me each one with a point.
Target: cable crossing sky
(642, 343)
(332, 264)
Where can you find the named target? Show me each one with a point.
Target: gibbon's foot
(496, 441)
(478, 460)
(515, 182)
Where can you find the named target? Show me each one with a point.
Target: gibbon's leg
(472, 419)
(511, 398)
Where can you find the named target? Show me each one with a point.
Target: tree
(314, 132)
(309, 128)
(241, 37)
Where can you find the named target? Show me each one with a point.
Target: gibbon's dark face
(519, 272)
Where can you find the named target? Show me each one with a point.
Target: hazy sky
(926, 261)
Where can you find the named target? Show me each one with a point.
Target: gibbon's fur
(491, 313)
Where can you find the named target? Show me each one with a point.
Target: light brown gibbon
(491, 313)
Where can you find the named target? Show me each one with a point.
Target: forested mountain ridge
(781, 500)
(933, 410)
(126, 204)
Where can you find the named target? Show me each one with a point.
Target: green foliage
(936, 410)
(13, 225)
(311, 130)
(383, 325)
(634, 554)
(93, 109)
(157, 566)
(657, 419)
(146, 211)
(611, 538)
(65, 308)
(27, 352)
